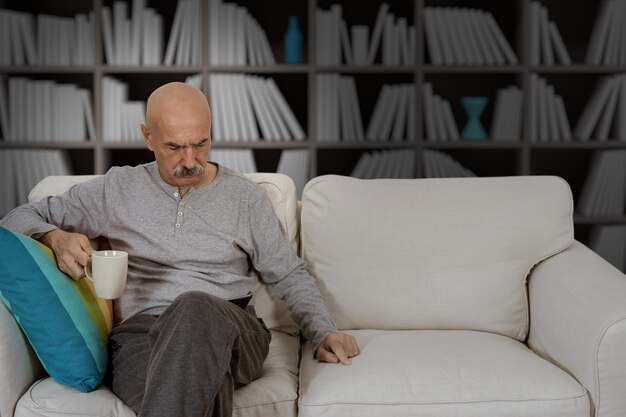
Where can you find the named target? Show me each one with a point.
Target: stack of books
(609, 241)
(240, 160)
(121, 118)
(441, 165)
(46, 40)
(438, 118)
(334, 44)
(239, 102)
(547, 119)
(460, 36)
(506, 124)
(546, 44)
(604, 190)
(295, 164)
(605, 112)
(21, 170)
(338, 111)
(394, 115)
(385, 164)
(235, 37)
(607, 40)
(137, 39)
(42, 110)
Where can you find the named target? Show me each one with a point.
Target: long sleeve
(278, 266)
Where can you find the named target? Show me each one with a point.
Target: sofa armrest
(578, 321)
(19, 366)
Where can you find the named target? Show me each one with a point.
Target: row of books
(439, 121)
(461, 36)
(609, 241)
(604, 190)
(334, 44)
(393, 116)
(235, 37)
(337, 108)
(135, 39)
(121, 118)
(439, 164)
(546, 44)
(604, 115)
(248, 108)
(398, 163)
(506, 124)
(21, 170)
(547, 117)
(45, 40)
(607, 44)
(293, 163)
(42, 110)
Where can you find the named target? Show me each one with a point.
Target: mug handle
(88, 272)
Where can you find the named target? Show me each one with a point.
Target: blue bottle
(293, 42)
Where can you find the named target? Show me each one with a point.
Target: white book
(532, 129)
(442, 132)
(214, 31)
(20, 162)
(107, 35)
(17, 49)
(320, 44)
(481, 22)
(589, 191)
(501, 39)
(217, 133)
(518, 114)
(451, 126)
(175, 33)
(553, 121)
(5, 130)
(247, 113)
(377, 32)
(27, 27)
(355, 111)
(388, 44)
(483, 50)
(468, 29)
(7, 203)
(268, 56)
(361, 166)
(546, 43)
(410, 117)
(347, 129)
(138, 7)
(239, 46)
(184, 39)
(510, 110)
(399, 124)
(195, 48)
(345, 44)
(621, 115)
(559, 45)
(443, 36)
(270, 97)
(593, 109)
(360, 36)
(230, 111)
(292, 123)
(432, 39)
(89, 39)
(251, 48)
(564, 126)
(320, 99)
(78, 53)
(335, 33)
(373, 128)
(497, 125)
(543, 109)
(611, 55)
(5, 39)
(604, 188)
(606, 120)
(448, 21)
(429, 116)
(119, 35)
(535, 33)
(402, 32)
(390, 111)
(260, 109)
(458, 19)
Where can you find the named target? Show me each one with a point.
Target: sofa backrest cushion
(281, 191)
(448, 253)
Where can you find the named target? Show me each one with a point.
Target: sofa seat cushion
(439, 373)
(452, 253)
(274, 394)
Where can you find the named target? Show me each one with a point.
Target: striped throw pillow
(64, 321)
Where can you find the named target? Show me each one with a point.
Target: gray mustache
(184, 171)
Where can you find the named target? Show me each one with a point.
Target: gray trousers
(188, 361)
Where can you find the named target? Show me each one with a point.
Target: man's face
(181, 147)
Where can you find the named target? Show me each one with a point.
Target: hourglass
(474, 107)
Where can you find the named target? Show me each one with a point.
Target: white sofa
(468, 297)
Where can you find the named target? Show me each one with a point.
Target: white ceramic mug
(108, 272)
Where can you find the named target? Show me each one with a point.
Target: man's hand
(72, 250)
(338, 347)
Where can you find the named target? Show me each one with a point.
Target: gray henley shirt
(214, 239)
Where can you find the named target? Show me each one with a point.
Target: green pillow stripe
(62, 319)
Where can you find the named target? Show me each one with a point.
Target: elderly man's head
(177, 130)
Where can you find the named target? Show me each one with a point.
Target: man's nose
(189, 158)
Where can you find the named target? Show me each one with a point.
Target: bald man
(196, 233)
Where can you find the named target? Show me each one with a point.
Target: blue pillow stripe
(67, 293)
(35, 304)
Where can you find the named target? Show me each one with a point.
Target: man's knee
(197, 304)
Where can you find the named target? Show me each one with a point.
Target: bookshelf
(575, 83)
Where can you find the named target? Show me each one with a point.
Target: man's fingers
(341, 354)
(327, 356)
(85, 245)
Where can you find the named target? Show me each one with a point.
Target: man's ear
(147, 137)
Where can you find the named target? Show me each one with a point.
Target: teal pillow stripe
(53, 312)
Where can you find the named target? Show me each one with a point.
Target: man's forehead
(182, 142)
